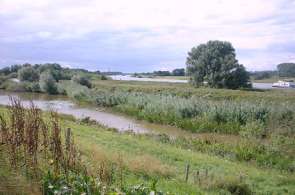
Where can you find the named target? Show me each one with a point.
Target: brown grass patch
(149, 166)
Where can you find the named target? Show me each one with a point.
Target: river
(131, 78)
(63, 105)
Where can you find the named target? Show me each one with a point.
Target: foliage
(162, 73)
(194, 114)
(48, 83)
(260, 75)
(82, 80)
(215, 64)
(76, 91)
(28, 73)
(178, 72)
(238, 78)
(8, 70)
(286, 69)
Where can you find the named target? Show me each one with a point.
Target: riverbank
(252, 116)
(148, 158)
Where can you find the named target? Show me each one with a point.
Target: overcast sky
(143, 35)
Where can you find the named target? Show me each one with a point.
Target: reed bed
(196, 114)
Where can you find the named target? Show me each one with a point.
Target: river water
(63, 105)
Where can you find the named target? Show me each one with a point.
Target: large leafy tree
(286, 69)
(215, 64)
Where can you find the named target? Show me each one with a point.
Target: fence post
(68, 139)
(187, 172)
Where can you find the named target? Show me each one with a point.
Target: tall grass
(36, 146)
(195, 114)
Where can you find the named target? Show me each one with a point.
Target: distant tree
(82, 80)
(215, 64)
(15, 68)
(259, 75)
(54, 69)
(48, 83)
(178, 72)
(28, 73)
(286, 69)
(5, 71)
(9, 70)
(162, 73)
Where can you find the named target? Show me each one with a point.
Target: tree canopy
(48, 83)
(28, 73)
(286, 69)
(215, 65)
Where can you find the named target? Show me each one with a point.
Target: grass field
(236, 141)
(149, 158)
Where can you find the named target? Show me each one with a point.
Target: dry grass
(149, 166)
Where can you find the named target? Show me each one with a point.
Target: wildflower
(50, 186)
(83, 193)
(152, 193)
(51, 161)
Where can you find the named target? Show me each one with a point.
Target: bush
(104, 77)
(48, 83)
(13, 86)
(235, 187)
(76, 91)
(28, 74)
(82, 80)
(252, 129)
(32, 86)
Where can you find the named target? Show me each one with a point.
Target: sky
(143, 35)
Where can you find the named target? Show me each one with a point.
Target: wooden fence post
(187, 172)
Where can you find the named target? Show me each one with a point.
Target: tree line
(42, 77)
(175, 72)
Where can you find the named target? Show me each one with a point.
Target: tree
(178, 72)
(286, 69)
(28, 73)
(48, 83)
(215, 64)
(5, 71)
(239, 78)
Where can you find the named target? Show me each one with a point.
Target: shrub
(104, 77)
(28, 74)
(253, 129)
(32, 86)
(82, 80)
(76, 91)
(13, 86)
(48, 83)
(235, 187)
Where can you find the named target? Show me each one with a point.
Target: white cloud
(172, 24)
